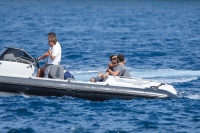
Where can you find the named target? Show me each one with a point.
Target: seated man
(54, 56)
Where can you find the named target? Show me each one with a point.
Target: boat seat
(126, 73)
(56, 72)
(9, 57)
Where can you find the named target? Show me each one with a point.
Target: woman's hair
(112, 56)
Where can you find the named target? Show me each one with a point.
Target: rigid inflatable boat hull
(90, 91)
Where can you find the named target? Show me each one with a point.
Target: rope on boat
(156, 87)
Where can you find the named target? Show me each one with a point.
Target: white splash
(160, 75)
(167, 75)
(194, 96)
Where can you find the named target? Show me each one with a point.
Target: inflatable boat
(17, 69)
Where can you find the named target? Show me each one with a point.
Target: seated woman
(119, 69)
(100, 77)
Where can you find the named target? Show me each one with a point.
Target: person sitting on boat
(111, 65)
(119, 69)
(100, 76)
(45, 55)
(115, 69)
(54, 56)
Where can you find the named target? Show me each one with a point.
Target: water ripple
(160, 40)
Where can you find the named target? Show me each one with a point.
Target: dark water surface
(161, 42)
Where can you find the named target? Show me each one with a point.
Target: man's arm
(51, 55)
(45, 55)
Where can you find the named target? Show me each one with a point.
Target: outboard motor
(56, 72)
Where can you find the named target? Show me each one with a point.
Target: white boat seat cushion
(9, 57)
(56, 72)
(126, 74)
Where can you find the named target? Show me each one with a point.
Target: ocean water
(159, 38)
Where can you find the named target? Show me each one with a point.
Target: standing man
(52, 34)
(51, 38)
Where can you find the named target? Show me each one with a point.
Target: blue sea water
(159, 38)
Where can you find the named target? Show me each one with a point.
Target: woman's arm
(110, 65)
(114, 73)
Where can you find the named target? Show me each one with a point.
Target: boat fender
(156, 87)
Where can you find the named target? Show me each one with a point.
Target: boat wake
(160, 75)
(194, 96)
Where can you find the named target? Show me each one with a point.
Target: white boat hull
(16, 76)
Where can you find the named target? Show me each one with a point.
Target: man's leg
(46, 72)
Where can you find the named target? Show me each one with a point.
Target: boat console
(16, 62)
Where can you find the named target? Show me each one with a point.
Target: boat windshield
(15, 54)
